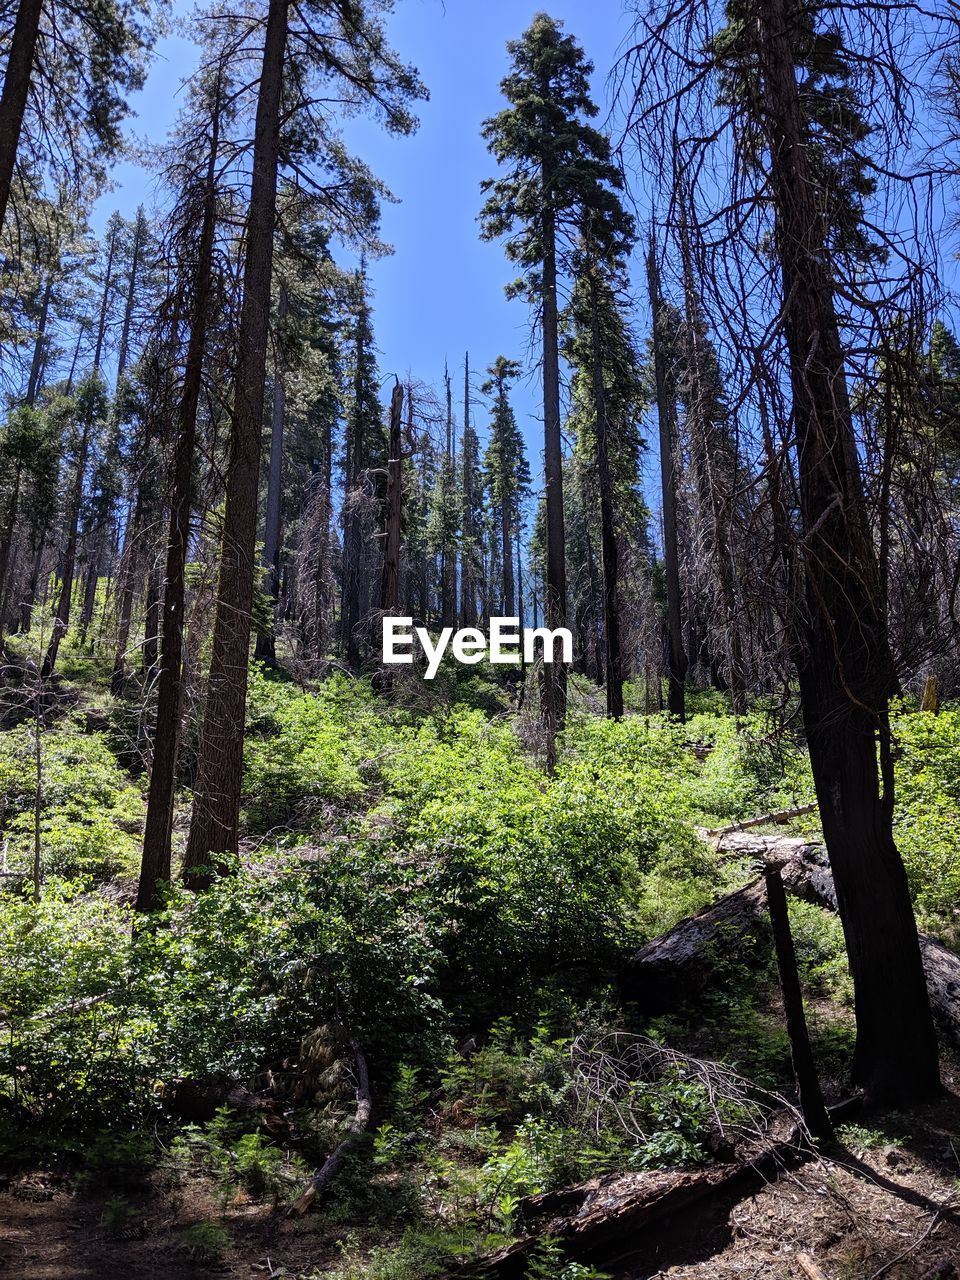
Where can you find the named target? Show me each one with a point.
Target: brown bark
(216, 809)
(155, 862)
(845, 667)
(16, 86)
(39, 346)
(353, 523)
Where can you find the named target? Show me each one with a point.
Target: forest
(637, 965)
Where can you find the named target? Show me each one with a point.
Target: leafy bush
(90, 812)
(927, 815)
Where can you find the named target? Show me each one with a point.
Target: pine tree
(506, 474)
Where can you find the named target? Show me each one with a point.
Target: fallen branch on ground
(358, 1127)
(766, 819)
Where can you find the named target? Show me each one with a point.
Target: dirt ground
(885, 1208)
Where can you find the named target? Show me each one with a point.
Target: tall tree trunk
(468, 589)
(390, 577)
(16, 86)
(7, 535)
(216, 809)
(39, 346)
(33, 583)
(123, 350)
(151, 624)
(666, 416)
(716, 504)
(61, 618)
(322, 571)
(266, 646)
(93, 536)
(555, 587)
(608, 538)
(845, 668)
(353, 523)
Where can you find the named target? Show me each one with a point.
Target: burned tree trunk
(845, 666)
(666, 416)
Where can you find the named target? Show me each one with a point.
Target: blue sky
(441, 292)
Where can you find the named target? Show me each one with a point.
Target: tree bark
(390, 576)
(608, 537)
(801, 1051)
(555, 586)
(61, 618)
(266, 646)
(845, 667)
(353, 470)
(16, 86)
(216, 811)
(666, 417)
(157, 832)
(468, 608)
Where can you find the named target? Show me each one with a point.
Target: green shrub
(927, 815)
(90, 812)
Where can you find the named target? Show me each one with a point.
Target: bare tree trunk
(716, 504)
(39, 346)
(62, 616)
(266, 646)
(666, 415)
(353, 521)
(468, 608)
(216, 809)
(555, 587)
(608, 536)
(157, 832)
(390, 577)
(845, 668)
(151, 624)
(16, 86)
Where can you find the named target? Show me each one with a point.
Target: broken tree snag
(929, 700)
(804, 1066)
(358, 1127)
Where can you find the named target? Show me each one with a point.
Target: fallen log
(678, 966)
(765, 819)
(602, 1220)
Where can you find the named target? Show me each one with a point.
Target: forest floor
(887, 1206)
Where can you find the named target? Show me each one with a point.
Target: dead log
(678, 966)
(809, 1267)
(765, 819)
(603, 1220)
(358, 1127)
